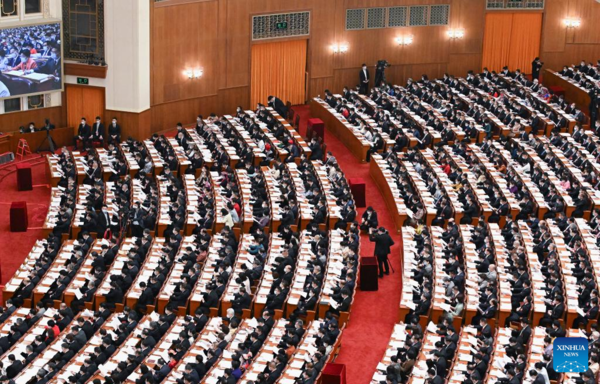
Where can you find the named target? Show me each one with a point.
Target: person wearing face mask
(13, 58)
(103, 222)
(114, 132)
(364, 80)
(84, 133)
(4, 60)
(27, 64)
(46, 50)
(52, 66)
(98, 131)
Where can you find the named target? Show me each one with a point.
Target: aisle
(374, 313)
(16, 246)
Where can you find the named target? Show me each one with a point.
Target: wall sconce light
(193, 73)
(456, 33)
(406, 40)
(572, 23)
(339, 48)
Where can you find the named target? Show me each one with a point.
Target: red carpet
(373, 314)
(16, 246)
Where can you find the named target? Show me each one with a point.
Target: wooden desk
(61, 137)
(263, 287)
(573, 93)
(385, 183)
(340, 130)
(24, 269)
(5, 143)
(409, 252)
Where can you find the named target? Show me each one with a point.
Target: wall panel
(184, 37)
(10, 122)
(221, 31)
(136, 125)
(562, 46)
(83, 101)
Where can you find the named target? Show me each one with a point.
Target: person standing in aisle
(383, 242)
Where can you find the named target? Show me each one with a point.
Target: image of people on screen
(30, 60)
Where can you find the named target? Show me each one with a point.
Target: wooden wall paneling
(458, 64)
(233, 97)
(86, 70)
(589, 13)
(165, 116)
(136, 125)
(320, 59)
(469, 16)
(238, 43)
(554, 31)
(84, 101)
(10, 122)
(222, 27)
(318, 85)
(562, 46)
(224, 50)
(74, 105)
(184, 38)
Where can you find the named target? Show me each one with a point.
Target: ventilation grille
(515, 4)
(376, 18)
(414, 16)
(355, 19)
(397, 16)
(280, 25)
(439, 14)
(418, 15)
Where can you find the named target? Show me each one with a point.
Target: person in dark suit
(84, 134)
(47, 126)
(364, 80)
(369, 219)
(525, 332)
(537, 378)
(383, 242)
(114, 132)
(103, 221)
(554, 311)
(98, 130)
(590, 314)
(278, 106)
(52, 66)
(536, 66)
(425, 142)
(14, 368)
(433, 377)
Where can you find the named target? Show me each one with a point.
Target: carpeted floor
(15, 246)
(373, 314)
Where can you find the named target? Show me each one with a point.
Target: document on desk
(39, 77)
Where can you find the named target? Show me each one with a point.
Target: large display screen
(30, 60)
